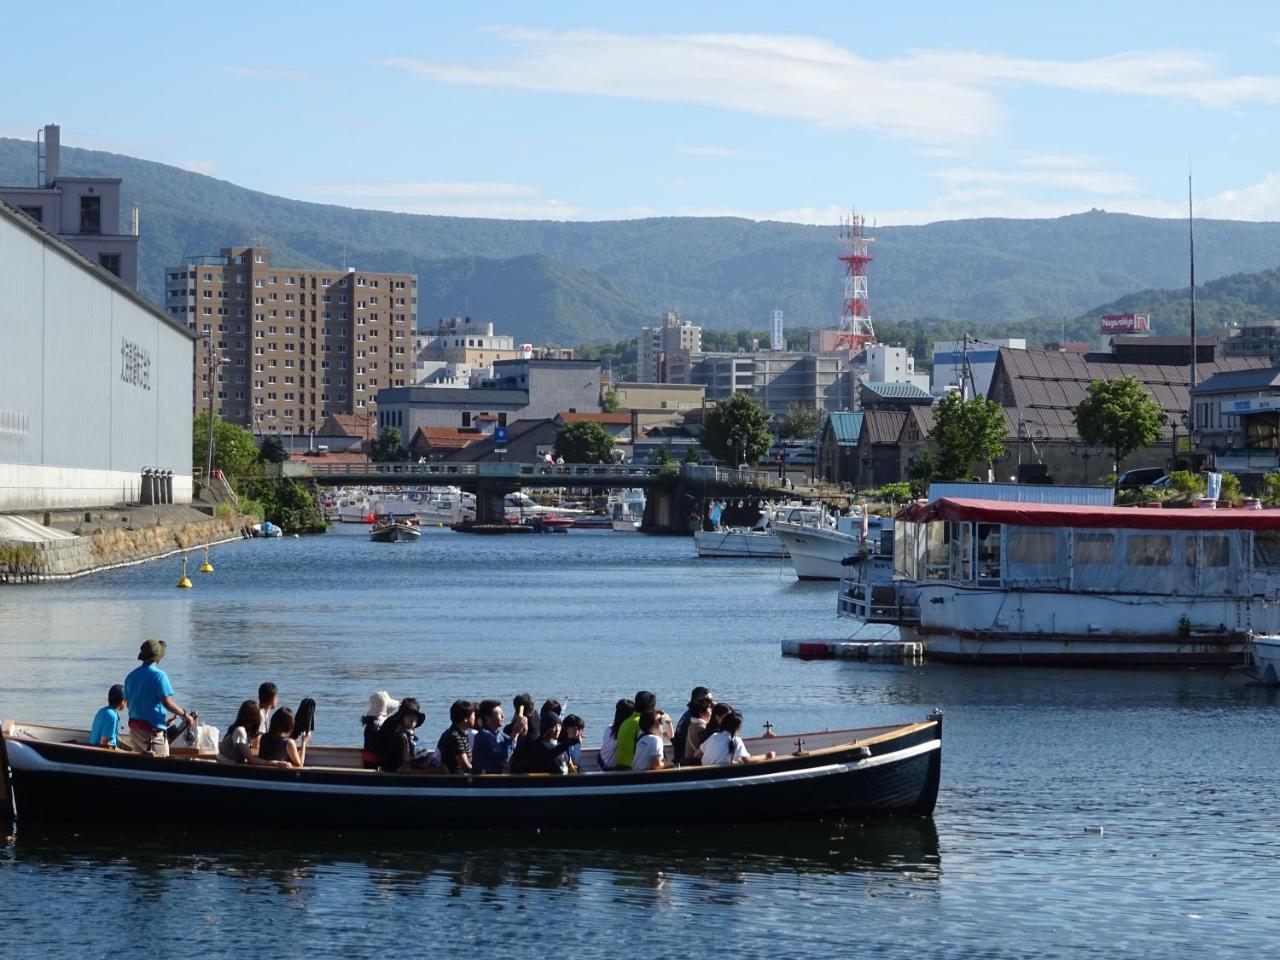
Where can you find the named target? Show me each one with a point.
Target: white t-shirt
(239, 737)
(265, 725)
(721, 748)
(647, 747)
(608, 750)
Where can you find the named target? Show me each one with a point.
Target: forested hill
(574, 281)
(1242, 298)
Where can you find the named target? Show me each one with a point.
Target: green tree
(286, 503)
(693, 457)
(272, 450)
(965, 431)
(798, 423)
(609, 400)
(235, 452)
(1270, 488)
(663, 457)
(736, 430)
(584, 442)
(1120, 415)
(388, 448)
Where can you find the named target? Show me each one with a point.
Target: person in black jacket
(547, 754)
(397, 740)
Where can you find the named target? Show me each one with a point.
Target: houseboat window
(937, 551)
(1033, 546)
(1095, 548)
(1266, 548)
(988, 551)
(1215, 551)
(1148, 549)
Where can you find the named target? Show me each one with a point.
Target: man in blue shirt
(106, 722)
(493, 747)
(150, 694)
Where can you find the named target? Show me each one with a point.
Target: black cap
(115, 696)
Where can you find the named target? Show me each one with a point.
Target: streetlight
(212, 364)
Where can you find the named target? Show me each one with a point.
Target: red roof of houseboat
(1063, 515)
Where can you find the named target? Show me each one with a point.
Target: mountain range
(575, 282)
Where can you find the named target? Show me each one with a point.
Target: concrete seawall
(112, 539)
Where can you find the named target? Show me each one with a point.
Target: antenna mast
(856, 330)
(1191, 237)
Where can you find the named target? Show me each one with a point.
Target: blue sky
(766, 110)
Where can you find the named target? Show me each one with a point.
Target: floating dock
(895, 651)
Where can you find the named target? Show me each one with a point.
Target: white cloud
(264, 73)
(710, 151)
(926, 96)
(1259, 201)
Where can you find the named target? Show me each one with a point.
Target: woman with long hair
(237, 746)
(277, 745)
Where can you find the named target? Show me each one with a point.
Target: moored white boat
(981, 581)
(1264, 652)
(626, 507)
(825, 549)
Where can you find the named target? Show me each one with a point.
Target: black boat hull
(898, 773)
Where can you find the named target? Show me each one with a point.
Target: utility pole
(213, 386)
(1191, 236)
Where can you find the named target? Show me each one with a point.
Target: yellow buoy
(206, 567)
(184, 581)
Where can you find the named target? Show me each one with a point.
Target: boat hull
(395, 534)
(1265, 652)
(742, 545)
(895, 773)
(818, 554)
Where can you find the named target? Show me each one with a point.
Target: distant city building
(94, 380)
(463, 341)
(949, 357)
(656, 344)
(777, 336)
(82, 212)
(1255, 340)
(893, 365)
(775, 380)
(293, 345)
(519, 390)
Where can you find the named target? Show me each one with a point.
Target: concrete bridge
(491, 481)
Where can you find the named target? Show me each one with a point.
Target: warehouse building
(95, 382)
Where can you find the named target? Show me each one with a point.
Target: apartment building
(656, 344)
(289, 346)
(463, 341)
(775, 379)
(82, 212)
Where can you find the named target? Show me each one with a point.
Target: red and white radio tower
(856, 330)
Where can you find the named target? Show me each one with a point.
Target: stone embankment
(61, 545)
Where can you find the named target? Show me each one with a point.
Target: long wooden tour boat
(51, 774)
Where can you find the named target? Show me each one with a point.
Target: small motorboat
(265, 529)
(1264, 653)
(395, 528)
(46, 773)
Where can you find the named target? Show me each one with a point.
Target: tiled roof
(922, 417)
(896, 391)
(1232, 380)
(444, 438)
(847, 427)
(1048, 386)
(353, 424)
(613, 419)
(337, 456)
(883, 426)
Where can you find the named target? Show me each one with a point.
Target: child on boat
(106, 722)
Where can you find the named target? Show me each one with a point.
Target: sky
(909, 112)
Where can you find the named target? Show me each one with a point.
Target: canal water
(1081, 813)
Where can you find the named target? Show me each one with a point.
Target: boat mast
(1191, 237)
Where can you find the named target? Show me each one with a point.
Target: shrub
(1230, 488)
(893, 492)
(1187, 483)
(1271, 488)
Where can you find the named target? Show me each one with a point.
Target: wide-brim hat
(152, 650)
(382, 705)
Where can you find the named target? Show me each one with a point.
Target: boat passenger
(548, 754)
(268, 700)
(629, 731)
(696, 732)
(521, 706)
(397, 739)
(105, 731)
(606, 759)
(238, 744)
(381, 706)
(524, 749)
(648, 747)
(726, 746)
(682, 725)
(473, 725)
(571, 733)
(494, 746)
(718, 713)
(278, 744)
(149, 695)
(454, 746)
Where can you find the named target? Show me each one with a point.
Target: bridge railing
(500, 471)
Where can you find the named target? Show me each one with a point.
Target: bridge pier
(490, 503)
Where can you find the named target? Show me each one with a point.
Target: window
(110, 262)
(35, 213)
(90, 214)
(1033, 546)
(1266, 548)
(466, 418)
(1094, 548)
(1148, 550)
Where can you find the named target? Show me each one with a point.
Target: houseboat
(984, 581)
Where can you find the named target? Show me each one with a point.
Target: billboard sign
(1126, 323)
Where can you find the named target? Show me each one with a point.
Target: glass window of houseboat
(1215, 551)
(1148, 549)
(937, 551)
(1094, 548)
(1033, 546)
(1266, 548)
(988, 551)
(961, 551)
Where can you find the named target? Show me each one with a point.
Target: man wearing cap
(150, 694)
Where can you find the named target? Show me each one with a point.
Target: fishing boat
(985, 581)
(395, 528)
(50, 771)
(626, 507)
(823, 547)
